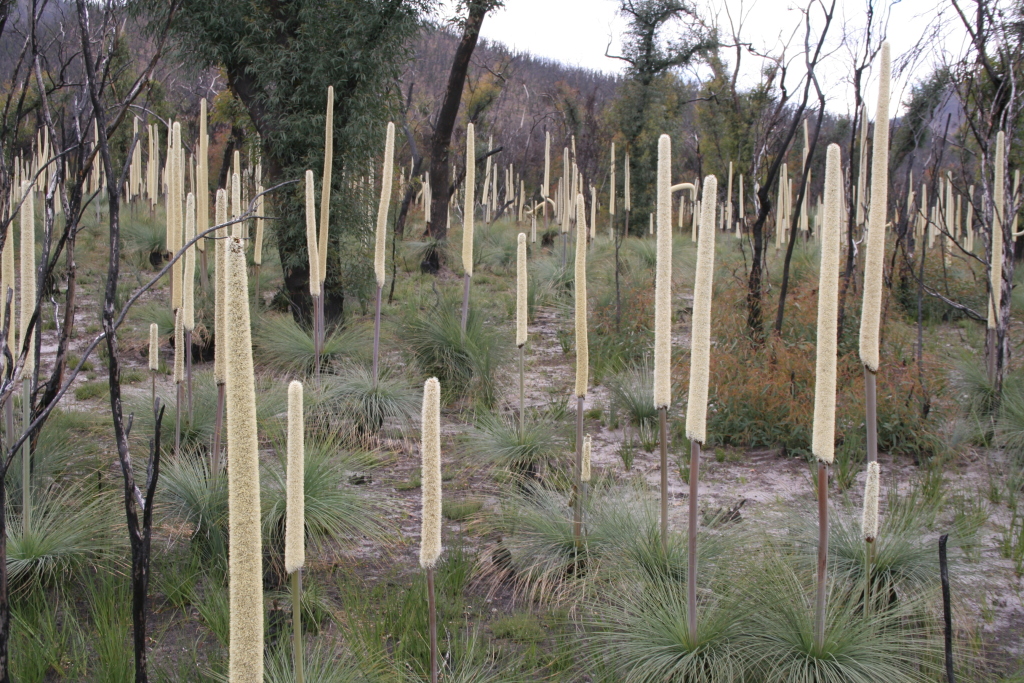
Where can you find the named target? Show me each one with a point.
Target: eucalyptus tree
(279, 59)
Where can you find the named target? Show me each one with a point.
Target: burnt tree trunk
(440, 142)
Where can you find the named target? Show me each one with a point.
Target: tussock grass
(500, 439)
(466, 364)
(282, 343)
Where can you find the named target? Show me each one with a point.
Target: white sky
(577, 32)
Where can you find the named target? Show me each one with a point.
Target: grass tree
(430, 532)
(700, 360)
(382, 236)
(823, 438)
(663, 318)
(582, 350)
(873, 261)
(467, 221)
(245, 556)
(295, 537)
(521, 322)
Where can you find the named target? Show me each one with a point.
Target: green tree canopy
(279, 58)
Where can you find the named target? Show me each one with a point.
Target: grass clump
(282, 343)
(521, 450)
(465, 363)
(460, 510)
(351, 393)
(90, 390)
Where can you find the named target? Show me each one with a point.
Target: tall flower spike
(245, 552)
(823, 442)
(174, 211)
(872, 309)
(385, 203)
(189, 286)
(467, 223)
(237, 229)
(521, 284)
(546, 188)
(7, 280)
(179, 346)
(430, 449)
(663, 279)
(869, 521)
(295, 524)
(202, 178)
(28, 273)
(325, 189)
(257, 252)
(700, 327)
(219, 252)
(314, 258)
(154, 347)
(999, 203)
(585, 465)
(580, 284)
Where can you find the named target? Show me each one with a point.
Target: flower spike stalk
(382, 233)
(585, 474)
(521, 294)
(872, 308)
(582, 348)
(700, 359)
(245, 551)
(467, 221)
(430, 532)
(295, 524)
(179, 374)
(663, 317)
(823, 441)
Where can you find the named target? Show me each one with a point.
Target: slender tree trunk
(440, 143)
(796, 219)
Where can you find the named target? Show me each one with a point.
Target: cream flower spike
(663, 279)
(430, 478)
(700, 328)
(385, 202)
(823, 441)
(872, 308)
